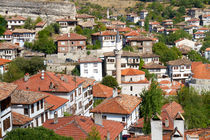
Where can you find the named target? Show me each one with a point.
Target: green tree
(76, 71)
(128, 48)
(195, 56)
(195, 106)
(148, 75)
(110, 81)
(38, 19)
(34, 134)
(93, 134)
(3, 25)
(29, 24)
(146, 24)
(141, 63)
(151, 104)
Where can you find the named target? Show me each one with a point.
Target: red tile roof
(145, 81)
(89, 60)
(121, 104)
(165, 82)
(26, 97)
(8, 46)
(194, 19)
(126, 29)
(6, 89)
(104, 33)
(206, 15)
(178, 62)
(4, 61)
(54, 100)
(71, 36)
(115, 22)
(207, 49)
(203, 28)
(132, 33)
(140, 38)
(59, 83)
(130, 71)
(154, 66)
(23, 31)
(102, 91)
(199, 33)
(19, 119)
(8, 32)
(41, 24)
(200, 70)
(78, 127)
(15, 18)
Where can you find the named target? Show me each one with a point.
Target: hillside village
(106, 75)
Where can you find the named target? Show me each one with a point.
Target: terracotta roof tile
(8, 45)
(203, 28)
(145, 81)
(78, 127)
(104, 33)
(132, 33)
(89, 60)
(124, 54)
(84, 16)
(41, 24)
(140, 38)
(6, 89)
(19, 119)
(154, 66)
(54, 100)
(115, 22)
(71, 36)
(165, 82)
(59, 83)
(26, 97)
(199, 33)
(206, 15)
(87, 82)
(126, 29)
(183, 61)
(121, 104)
(15, 18)
(23, 31)
(102, 91)
(139, 123)
(207, 49)
(149, 55)
(130, 71)
(4, 61)
(200, 70)
(194, 19)
(8, 32)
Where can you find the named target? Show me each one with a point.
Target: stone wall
(48, 10)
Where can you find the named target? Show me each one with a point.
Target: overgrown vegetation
(195, 56)
(45, 41)
(206, 42)
(3, 25)
(110, 81)
(30, 24)
(97, 102)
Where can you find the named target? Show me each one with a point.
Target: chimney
(42, 75)
(179, 123)
(98, 119)
(55, 117)
(108, 135)
(156, 127)
(26, 77)
(68, 34)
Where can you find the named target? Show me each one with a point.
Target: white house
(179, 70)
(194, 21)
(200, 76)
(65, 86)
(6, 89)
(30, 104)
(199, 35)
(207, 54)
(157, 69)
(15, 21)
(122, 108)
(206, 20)
(8, 50)
(3, 65)
(186, 17)
(20, 36)
(7, 36)
(133, 82)
(185, 42)
(143, 14)
(133, 18)
(107, 40)
(91, 68)
(67, 25)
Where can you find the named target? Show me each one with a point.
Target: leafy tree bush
(195, 56)
(93, 134)
(34, 134)
(97, 102)
(76, 71)
(151, 104)
(3, 25)
(110, 81)
(128, 48)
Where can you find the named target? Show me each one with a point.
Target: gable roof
(102, 91)
(200, 70)
(41, 24)
(130, 71)
(182, 61)
(4, 61)
(7, 32)
(19, 119)
(78, 127)
(84, 16)
(124, 54)
(140, 38)
(6, 89)
(71, 36)
(59, 82)
(26, 97)
(121, 104)
(23, 31)
(152, 65)
(15, 18)
(89, 60)
(105, 33)
(8, 45)
(132, 33)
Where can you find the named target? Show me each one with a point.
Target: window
(123, 65)
(41, 103)
(32, 108)
(81, 42)
(95, 71)
(62, 42)
(187, 67)
(131, 79)
(42, 118)
(131, 88)
(80, 104)
(46, 115)
(86, 94)
(71, 98)
(85, 65)
(62, 49)
(75, 93)
(37, 122)
(123, 119)
(80, 91)
(86, 71)
(175, 67)
(95, 64)
(37, 105)
(110, 60)
(6, 123)
(25, 111)
(72, 42)
(104, 117)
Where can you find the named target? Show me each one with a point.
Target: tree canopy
(93, 134)
(195, 56)
(151, 104)
(110, 81)
(34, 134)
(3, 25)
